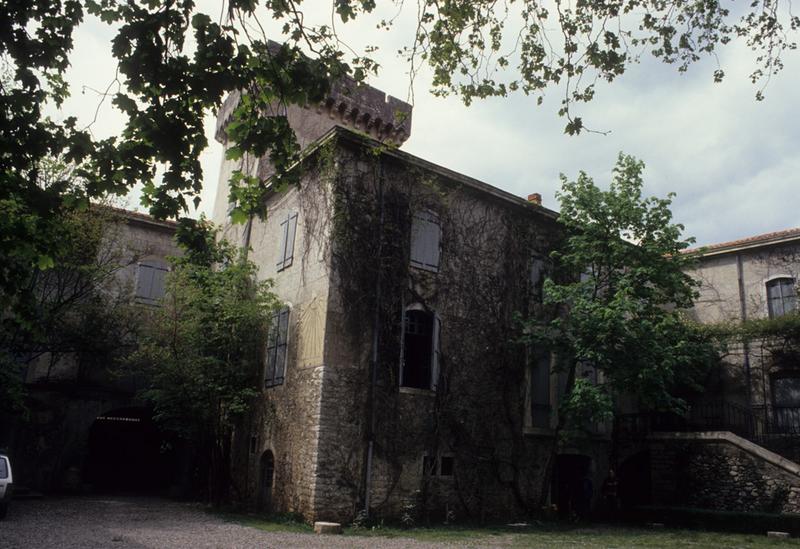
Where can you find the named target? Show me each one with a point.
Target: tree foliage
(175, 64)
(203, 348)
(623, 291)
(483, 48)
(80, 310)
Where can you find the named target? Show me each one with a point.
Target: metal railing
(716, 415)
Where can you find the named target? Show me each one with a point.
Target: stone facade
(68, 390)
(734, 279)
(348, 428)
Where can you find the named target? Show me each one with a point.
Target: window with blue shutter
(288, 231)
(150, 282)
(425, 241)
(277, 345)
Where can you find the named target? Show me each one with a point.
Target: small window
(439, 466)
(781, 296)
(446, 465)
(425, 241)
(275, 366)
(150, 282)
(288, 230)
(253, 444)
(420, 354)
(537, 276)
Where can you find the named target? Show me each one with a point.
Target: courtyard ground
(145, 523)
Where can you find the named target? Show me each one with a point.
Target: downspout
(745, 344)
(374, 361)
(246, 237)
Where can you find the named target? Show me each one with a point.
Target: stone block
(774, 534)
(327, 527)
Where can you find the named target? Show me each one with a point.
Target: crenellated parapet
(356, 106)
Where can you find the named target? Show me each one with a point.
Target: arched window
(781, 296)
(419, 366)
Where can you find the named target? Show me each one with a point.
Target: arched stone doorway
(265, 481)
(126, 453)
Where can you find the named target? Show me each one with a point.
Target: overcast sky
(732, 161)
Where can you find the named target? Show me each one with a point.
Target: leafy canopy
(623, 292)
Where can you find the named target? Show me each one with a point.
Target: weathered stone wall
(476, 415)
(723, 472)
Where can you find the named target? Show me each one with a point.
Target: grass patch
(554, 535)
(542, 535)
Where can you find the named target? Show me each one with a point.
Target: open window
(438, 466)
(786, 402)
(277, 340)
(781, 296)
(425, 241)
(419, 365)
(150, 281)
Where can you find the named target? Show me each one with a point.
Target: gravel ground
(139, 523)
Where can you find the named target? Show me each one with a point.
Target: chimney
(535, 198)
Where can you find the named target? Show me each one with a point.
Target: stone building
(738, 446)
(392, 379)
(754, 278)
(84, 427)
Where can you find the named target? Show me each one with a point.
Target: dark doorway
(127, 453)
(266, 477)
(572, 485)
(634, 480)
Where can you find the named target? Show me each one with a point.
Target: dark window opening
(781, 296)
(443, 466)
(446, 465)
(253, 444)
(418, 349)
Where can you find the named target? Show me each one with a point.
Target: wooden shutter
(288, 231)
(291, 230)
(157, 289)
(425, 241)
(283, 239)
(144, 280)
(272, 347)
(437, 329)
(282, 345)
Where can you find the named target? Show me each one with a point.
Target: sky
(732, 161)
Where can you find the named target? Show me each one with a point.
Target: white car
(6, 484)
